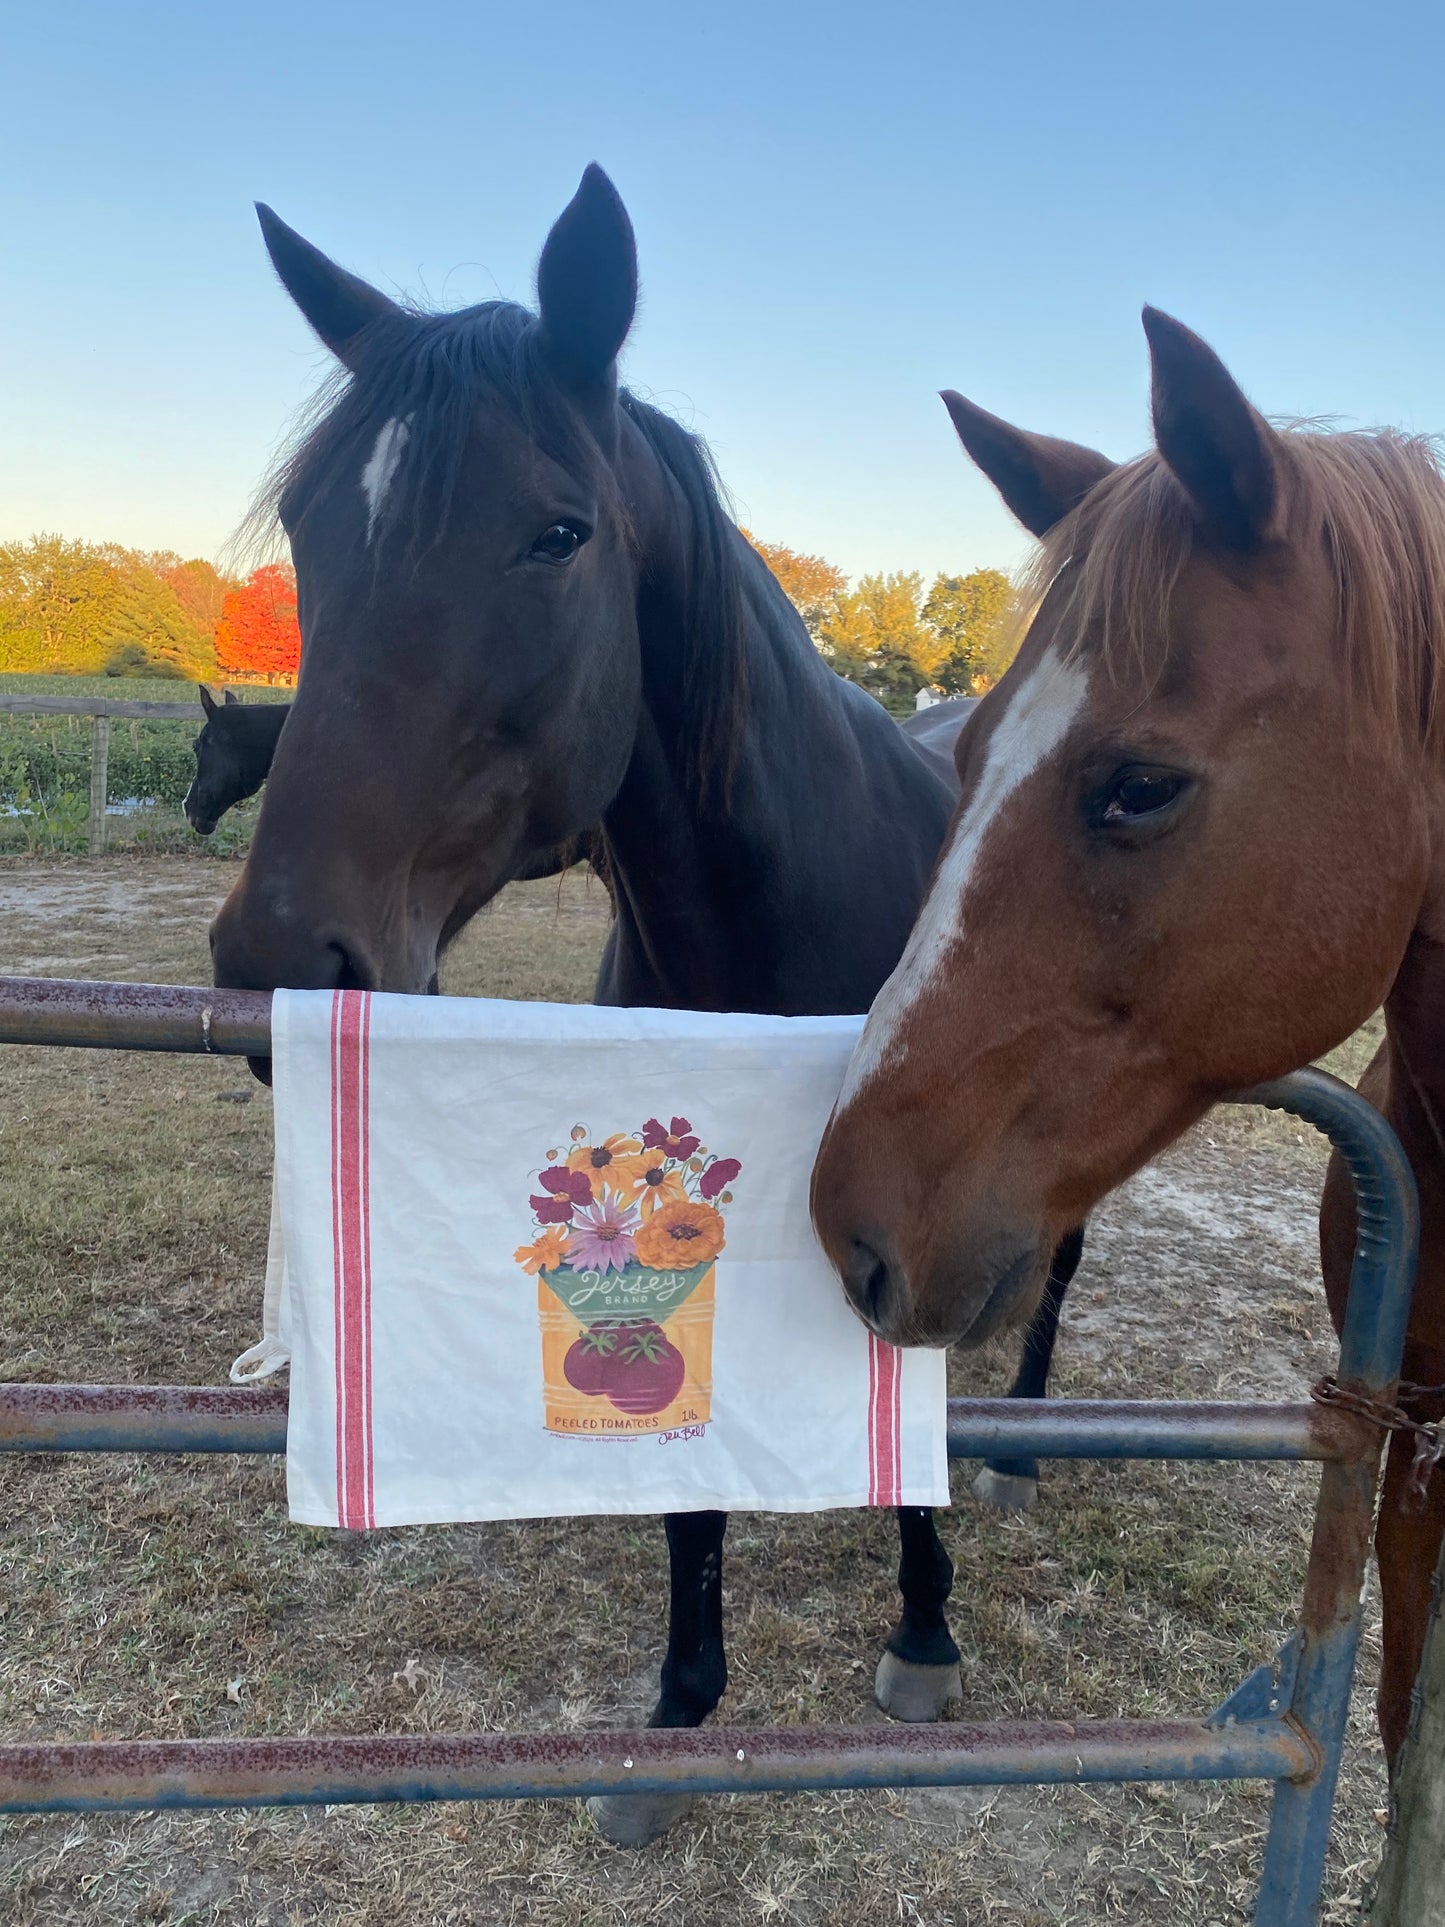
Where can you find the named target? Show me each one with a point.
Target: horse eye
(559, 543)
(1141, 792)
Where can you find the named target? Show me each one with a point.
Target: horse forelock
(1373, 503)
(397, 428)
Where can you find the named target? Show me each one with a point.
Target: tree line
(94, 608)
(893, 636)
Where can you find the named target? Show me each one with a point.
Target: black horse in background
(233, 755)
(530, 615)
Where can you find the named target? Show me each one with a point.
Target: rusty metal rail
(1285, 1723)
(165, 1017)
(207, 1418)
(115, 1775)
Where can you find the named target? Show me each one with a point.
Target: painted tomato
(589, 1360)
(646, 1371)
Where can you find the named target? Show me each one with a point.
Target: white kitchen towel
(548, 1259)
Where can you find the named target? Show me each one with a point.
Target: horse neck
(1407, 1081)
(796, 892)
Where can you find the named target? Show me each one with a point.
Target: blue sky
(840, 209)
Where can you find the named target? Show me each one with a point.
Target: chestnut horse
(526, 613)
(1201, 838)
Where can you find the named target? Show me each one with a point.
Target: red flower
(567, 1190)
(677, 1143)
(719, 1174)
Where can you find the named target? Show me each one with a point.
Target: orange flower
(678, 1236)
(657, 1187)
(545, 1252)
(617, 1162)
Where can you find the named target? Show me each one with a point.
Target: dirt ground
(172, 1597)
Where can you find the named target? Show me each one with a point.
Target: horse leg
(918, 1673)
(1407, 1539)
(1407, 1545)
(1013, 1484)
(694, 1672)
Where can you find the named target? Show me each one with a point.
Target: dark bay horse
(1201, 839)
(526, 613)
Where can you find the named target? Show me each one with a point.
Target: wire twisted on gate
(1429, 1435)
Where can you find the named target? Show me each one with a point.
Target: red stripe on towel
(351, 1249)
(884, 1423)
(873, 1419)
(896, 1434)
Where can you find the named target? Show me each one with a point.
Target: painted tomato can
(631, 1359)
(625, 1237)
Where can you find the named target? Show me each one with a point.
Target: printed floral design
(660, 1184)
(565, 1191)
(681, 1235)
(717, 1177)
(628, 1228)
(616, 1162)
(602, 1236)
(677, 1143)
(545, 1252)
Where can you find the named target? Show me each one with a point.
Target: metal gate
(1284, 1723)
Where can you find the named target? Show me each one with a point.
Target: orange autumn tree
(258, 634)
(812, 585)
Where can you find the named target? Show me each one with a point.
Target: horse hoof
(636, 1819)
(1006, 1490)
(915, 1693)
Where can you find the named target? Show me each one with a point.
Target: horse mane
(715, 662)
(431, 371)
(1376, 500)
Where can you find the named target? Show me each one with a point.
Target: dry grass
(172, 1597)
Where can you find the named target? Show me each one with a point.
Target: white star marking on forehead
(380, 468)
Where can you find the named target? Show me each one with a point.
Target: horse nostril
(351, 971)
(870, 1284)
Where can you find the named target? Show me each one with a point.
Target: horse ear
(230, 699)
(587, 282)
(1220, 448)
(208, 701)
(1039, 478)
(338, 305)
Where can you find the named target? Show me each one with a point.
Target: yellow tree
(876, 636)
(975, 635)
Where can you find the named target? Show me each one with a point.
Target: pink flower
(677, 1143)
(602, 1236)
(567, 1190)
(718, 1175)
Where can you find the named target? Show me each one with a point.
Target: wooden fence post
(1411, 1890)
(99, 776)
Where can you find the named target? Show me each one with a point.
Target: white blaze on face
(380, 467)
(1029, 731)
